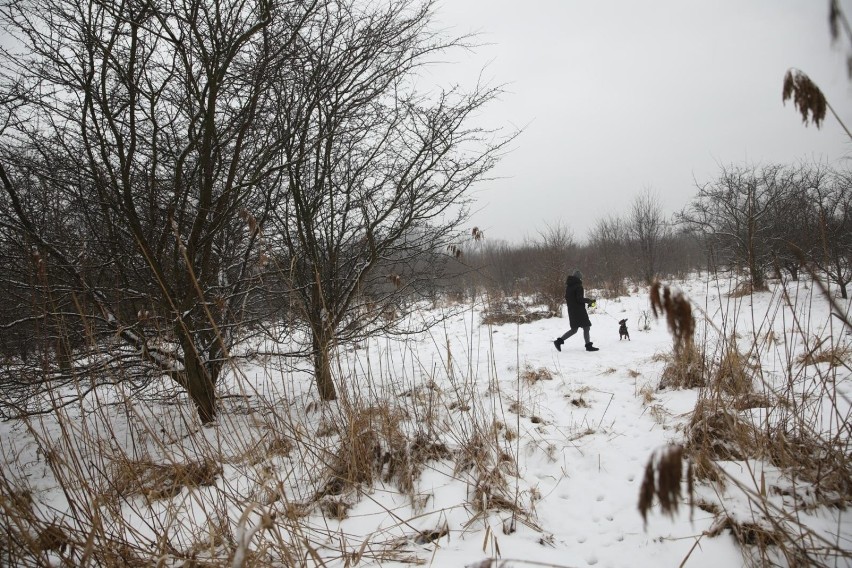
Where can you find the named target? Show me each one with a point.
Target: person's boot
(590, 347)
(558, 343)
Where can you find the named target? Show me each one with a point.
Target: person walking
(577, 315)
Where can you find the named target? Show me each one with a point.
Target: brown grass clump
(513, 310)
(718, 434)
(492, 491)
(52, 537)
(335, 508)
(374, 446)
(753, 400)
(646, 393)
(162, 481)
(488, 467)
(662, 480)
(764, 543)
(732, 372)
(684, 370)
(474, 451)
(532, 376)
(429, 536)
(815, 460)
(834, 355)
(745, 289)
(367, 439)
(746, 533)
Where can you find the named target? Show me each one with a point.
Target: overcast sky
(622, 96)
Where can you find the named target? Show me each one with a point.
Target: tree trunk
(839, 276)
(202, 393)
(198, 382)
(755, 272)
(794, 272)
(322, 364)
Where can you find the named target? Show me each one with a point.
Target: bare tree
(608, 244)
(144, 127)
(376, 173)
(735, 214)
(554, 255)
(507, 268)
(648, 229)
(833, 228)
(794, 235)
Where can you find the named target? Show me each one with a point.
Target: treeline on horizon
(759, 221)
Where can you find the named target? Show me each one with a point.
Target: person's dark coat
(577, 315)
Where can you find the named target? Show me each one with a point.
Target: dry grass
(647, 394)
(684, 369)
(732, 373)
(807, 442)
(833, 355)
(162, 481)
(375, 445)
(294, 461)
(532, 376)
(716, 432)
(515, 311)
(744, 289)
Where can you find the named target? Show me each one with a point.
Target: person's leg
(589, 346)
(560, 340)
(569, 333)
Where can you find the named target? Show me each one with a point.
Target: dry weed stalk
(686, 367)
(662, 480)
(678, 312)
(806, 96)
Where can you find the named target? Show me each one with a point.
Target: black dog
(622, 330)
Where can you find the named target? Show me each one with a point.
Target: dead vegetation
(733, 373)
(832, 355)
(744, 418)
(514, 310)
(532, 376)
(683, 370)
(685, 367)
(744, 289)
(662, 480)
(162, 480)
(293, 462)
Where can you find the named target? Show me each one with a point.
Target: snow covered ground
(455, 447)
